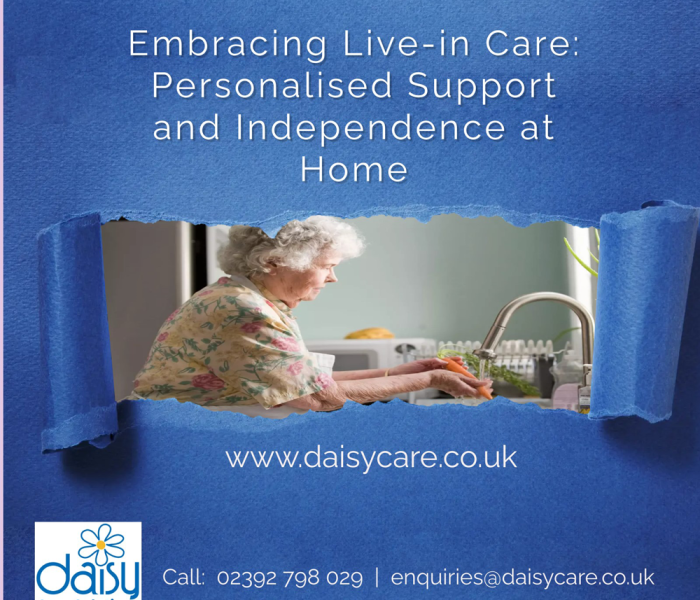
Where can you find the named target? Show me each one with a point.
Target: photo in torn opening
(331, 309)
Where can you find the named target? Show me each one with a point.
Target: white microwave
(356, 355)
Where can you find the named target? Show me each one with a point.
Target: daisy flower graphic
(102, 545)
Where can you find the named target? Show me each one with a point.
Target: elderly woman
(237, 343)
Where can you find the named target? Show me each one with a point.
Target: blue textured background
(618, 495)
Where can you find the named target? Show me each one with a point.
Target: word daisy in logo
(101, 545)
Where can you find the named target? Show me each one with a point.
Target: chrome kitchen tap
(487, 352)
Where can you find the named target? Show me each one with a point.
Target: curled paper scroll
(643, 278)
(75, 349)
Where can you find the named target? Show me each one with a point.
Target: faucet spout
(487, 350)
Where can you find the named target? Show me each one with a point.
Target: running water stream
(483, 368)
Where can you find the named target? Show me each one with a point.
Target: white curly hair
(297, 245)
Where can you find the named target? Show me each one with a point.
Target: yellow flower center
(100, 545)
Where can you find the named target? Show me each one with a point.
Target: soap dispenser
(568, 375)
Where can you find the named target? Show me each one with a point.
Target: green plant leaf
(563, 333)
(583, 264)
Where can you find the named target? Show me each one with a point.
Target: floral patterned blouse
(231, 343)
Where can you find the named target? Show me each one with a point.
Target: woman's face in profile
(297, 286)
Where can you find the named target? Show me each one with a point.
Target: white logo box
(100, 560)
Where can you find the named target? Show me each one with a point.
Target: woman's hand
(422, 366)
(458, 385)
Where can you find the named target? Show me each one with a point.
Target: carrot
(457, 368)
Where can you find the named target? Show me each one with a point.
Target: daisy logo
(88, 560)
